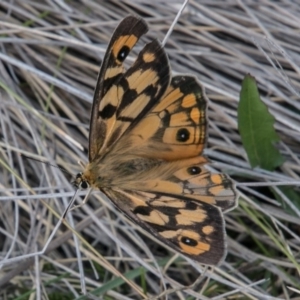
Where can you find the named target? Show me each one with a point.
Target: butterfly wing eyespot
(193, 170)
(123, 53)
(182, 135)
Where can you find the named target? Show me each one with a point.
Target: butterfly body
(147, 134)
(118, 172)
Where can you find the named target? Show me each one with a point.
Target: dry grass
(49, 59)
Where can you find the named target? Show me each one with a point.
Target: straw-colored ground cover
(50, 53)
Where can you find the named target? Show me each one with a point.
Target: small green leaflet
(256, 127)
(291, 194)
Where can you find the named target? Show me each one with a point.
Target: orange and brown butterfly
(147, 133)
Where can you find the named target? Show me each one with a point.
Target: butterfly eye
(123, 53)
(194, 170)
(182, 135)
(189, 241)
(84, 185)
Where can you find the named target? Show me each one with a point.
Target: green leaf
(256, 127)
(294, 197)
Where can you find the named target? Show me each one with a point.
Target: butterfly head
(81, 182)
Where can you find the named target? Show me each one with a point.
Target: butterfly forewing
(123, 40)
(176, 127)
(143, 84)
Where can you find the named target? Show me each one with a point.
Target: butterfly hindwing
(187, 178)
(200, 184)
(192, 228)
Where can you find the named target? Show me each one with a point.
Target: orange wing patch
(176, 127)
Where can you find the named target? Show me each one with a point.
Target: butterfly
(147, 134)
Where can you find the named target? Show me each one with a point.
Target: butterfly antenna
(174, 22)
(47, 163)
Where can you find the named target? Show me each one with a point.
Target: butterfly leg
(84, 200)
